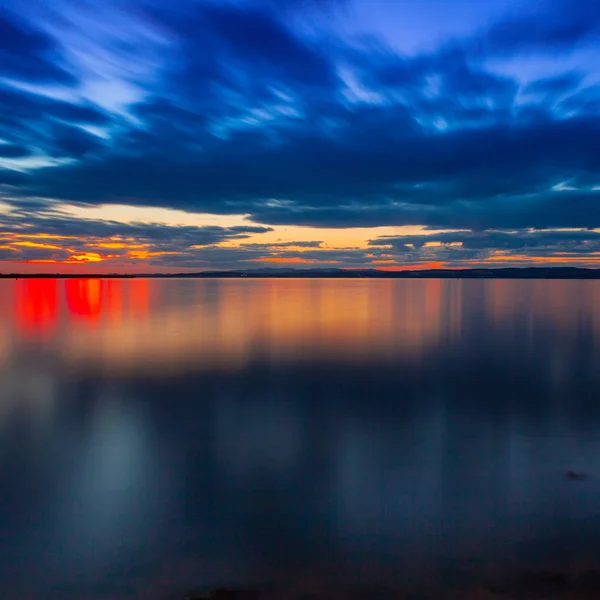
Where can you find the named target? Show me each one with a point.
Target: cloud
(29, 54)
(37, 232)
(252, 256)
(307, 5)
(45, 222)
(19, 104)
(250, 112)
(554, 86)
(560, 27)
(313, 174)
(468, 248)
(568, 239)
(44, 126)
(463, 141)
(13, 151)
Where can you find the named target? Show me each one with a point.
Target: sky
(239, 134)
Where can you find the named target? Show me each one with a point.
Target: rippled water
(157, 435)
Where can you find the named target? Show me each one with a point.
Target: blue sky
(205, 134)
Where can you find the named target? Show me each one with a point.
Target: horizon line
(336, 272)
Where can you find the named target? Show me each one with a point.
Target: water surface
(157, 435)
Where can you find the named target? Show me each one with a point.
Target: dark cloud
(567, 241)
(560, 26)
(13, 151)
(11, 177)
(554, 86)
(160, 236)
(455, 141)
(230, 57)
(24, 253)
(259, 40)
(585, 102)
(307, 5)
(8, 254)
(346, 181)
(72, 142)
(28, 54)
(467, 248)
(553, 209)
(38, 124)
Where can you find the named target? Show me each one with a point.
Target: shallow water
(157, 435)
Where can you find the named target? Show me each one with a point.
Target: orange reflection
(114, 299)
(139, 295)
(287, 320)
(84, 297)
(37, 304)
(158, 326)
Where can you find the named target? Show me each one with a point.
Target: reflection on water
(157, 434)
(109, 325)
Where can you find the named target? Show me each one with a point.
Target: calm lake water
(157, 435)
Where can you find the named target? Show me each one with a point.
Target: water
(157, 435)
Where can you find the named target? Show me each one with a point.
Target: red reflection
(37, 304)
(84, 297)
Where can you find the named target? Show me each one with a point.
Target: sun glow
(135, 251)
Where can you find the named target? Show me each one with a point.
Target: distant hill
(504, 273)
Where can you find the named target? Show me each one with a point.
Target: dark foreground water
(159, 435)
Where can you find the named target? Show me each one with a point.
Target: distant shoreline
(503, 273)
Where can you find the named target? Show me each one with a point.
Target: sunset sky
(216, 134)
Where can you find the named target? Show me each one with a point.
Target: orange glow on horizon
(143, 254)
(125, 253)
(87, 257)
(44, 261)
